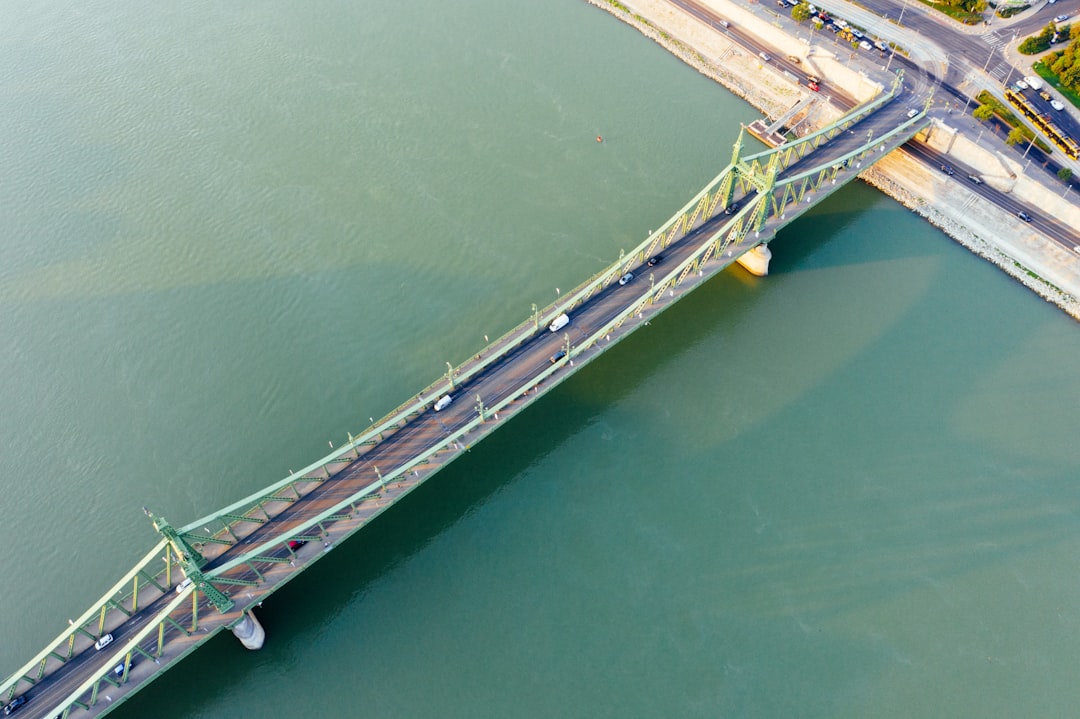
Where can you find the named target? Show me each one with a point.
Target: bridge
(208, 575)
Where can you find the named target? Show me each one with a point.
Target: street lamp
(450, 374)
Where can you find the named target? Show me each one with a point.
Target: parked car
(14, 705)
(557, 356)
(103, 642)
(1024, 216)
(626, 278)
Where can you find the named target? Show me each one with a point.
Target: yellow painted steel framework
(768, 193)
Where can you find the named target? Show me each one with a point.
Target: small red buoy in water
(599, 138)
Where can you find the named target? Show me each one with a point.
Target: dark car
(557, 356)
(732, 208)
(14, 705)
(654, 261)
(948, 170)
(1024, 216)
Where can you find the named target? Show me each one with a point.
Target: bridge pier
(249, 631)
(756, 261)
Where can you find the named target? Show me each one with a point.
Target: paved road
(516, 369)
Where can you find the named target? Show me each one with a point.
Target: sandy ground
(1046, 267)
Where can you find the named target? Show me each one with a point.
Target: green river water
(233, 232)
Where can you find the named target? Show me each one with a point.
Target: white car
(913, 112)
(1021, 84)
(103, 642)
(1056, 105)
(626, 278)
(443, 402)
(1060, 19)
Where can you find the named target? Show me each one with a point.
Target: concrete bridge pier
(756, 261)
(249, 631)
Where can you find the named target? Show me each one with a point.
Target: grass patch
(968, 18)
(1047, 74)
(1006, 115)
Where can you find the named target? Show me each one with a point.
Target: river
(234, 232)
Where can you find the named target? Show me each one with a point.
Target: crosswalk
(994, 40)
(1000, 71)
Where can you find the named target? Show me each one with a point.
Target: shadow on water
(311, 600)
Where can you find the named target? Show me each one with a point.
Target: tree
(1016, 136)
(983, 113)
(800, 12)
(1065, 174)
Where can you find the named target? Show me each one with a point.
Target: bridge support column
(249, 631)
(756, 261)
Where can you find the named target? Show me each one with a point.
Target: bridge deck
(337, 498)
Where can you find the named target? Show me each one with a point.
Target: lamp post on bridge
(450, 374)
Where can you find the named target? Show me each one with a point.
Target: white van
(1035, 83)
(182, 586)
(559, 322)
(443, 402)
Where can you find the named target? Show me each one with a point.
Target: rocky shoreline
(897, 175)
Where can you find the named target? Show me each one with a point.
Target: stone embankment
(1041, 264)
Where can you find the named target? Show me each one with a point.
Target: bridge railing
(61, 647)
(697, 210)
(675, 275)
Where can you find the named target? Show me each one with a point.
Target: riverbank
(1036, 261)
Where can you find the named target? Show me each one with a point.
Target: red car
(813, 86)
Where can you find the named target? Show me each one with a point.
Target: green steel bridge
(207, 575)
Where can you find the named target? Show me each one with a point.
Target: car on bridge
(732, 208)
(626, 278)
(182, 586)
(557, 356)
(14, 705)
(445, 401)
(105, 641)
(655, 260)
(912, 112)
